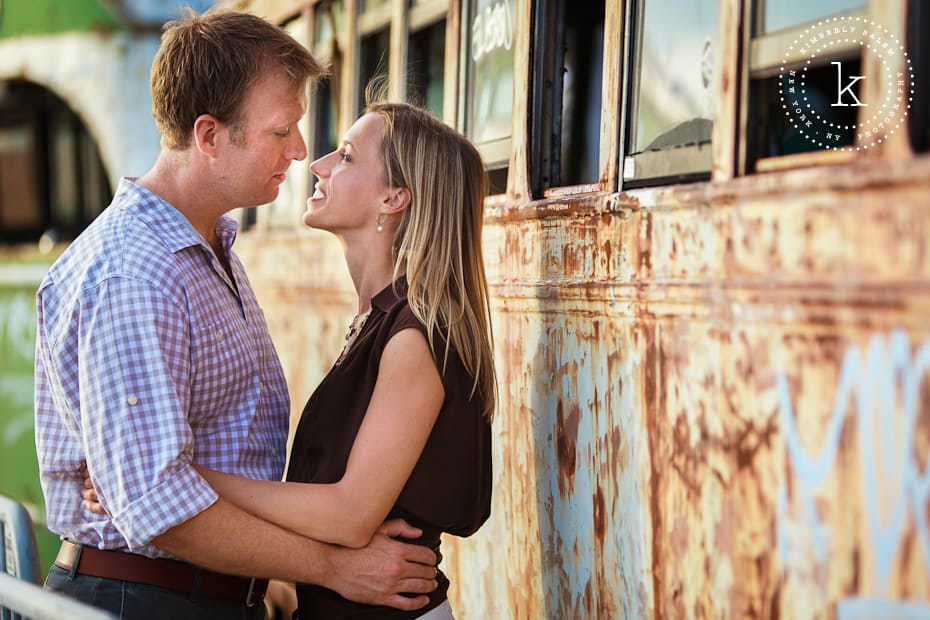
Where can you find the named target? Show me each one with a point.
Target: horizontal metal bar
(25, 274)
(33, 602)
(769, 52)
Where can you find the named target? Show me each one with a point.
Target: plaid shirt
(148, 359)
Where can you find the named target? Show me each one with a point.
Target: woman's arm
(404, 406)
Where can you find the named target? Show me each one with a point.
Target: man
(153, 355)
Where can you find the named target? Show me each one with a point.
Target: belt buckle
(248, 595)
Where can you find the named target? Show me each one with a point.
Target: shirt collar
(390, 295)
(168, 224)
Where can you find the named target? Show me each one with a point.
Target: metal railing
(23, 599)
(21, 596)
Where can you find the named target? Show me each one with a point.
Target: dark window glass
(325, 129)
(497, 180)
(22, 207)
(780, 14)
(581, 93)
(567, 97)
(325, 103)
(918, 43)
(774, 132)
(373, 61)
(426, 67)
(51, 174)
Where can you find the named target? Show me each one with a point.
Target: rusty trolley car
(710, 269)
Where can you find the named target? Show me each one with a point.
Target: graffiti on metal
(884, 387)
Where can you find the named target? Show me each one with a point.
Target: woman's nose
(322, 166)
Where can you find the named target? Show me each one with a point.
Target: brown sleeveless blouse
(449, 489)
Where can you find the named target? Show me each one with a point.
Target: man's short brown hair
(207, 63)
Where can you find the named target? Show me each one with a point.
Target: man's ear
(398, 199)
(206, 130)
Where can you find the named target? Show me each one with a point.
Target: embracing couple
(160, 398)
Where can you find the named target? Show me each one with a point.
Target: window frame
(322, 49)
(399, 20)
(764, 55)
(497, 153)
(918, 24)
(425, 15)
(547, 92)
(678, 165)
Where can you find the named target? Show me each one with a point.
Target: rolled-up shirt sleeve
(135, 376)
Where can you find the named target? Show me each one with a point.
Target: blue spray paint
(872, 382)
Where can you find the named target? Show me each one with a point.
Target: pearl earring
(380, 225)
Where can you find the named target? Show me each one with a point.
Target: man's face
(254, 160)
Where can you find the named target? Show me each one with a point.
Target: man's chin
(271, 196)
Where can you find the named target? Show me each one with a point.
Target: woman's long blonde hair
(438, 241)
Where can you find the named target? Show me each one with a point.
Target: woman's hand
(91, 502)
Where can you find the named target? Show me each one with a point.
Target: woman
(400, 427)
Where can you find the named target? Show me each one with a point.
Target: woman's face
(351, 187)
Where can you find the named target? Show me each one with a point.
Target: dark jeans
(139, 601)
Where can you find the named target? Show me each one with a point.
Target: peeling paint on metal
(645, 462)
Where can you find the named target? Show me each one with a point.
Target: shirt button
(132, 400)
(274, 452)
(261, 384)
(219, 336)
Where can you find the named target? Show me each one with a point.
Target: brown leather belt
(164, 573)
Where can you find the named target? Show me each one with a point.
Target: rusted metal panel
(569, 505)
(714, 399)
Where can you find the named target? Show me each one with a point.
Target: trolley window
(567, 78)
(671, 91)
(328, 18)
(426, 67)
(799, 52)
(487, 107)
(373, 61)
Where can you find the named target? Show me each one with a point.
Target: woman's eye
(283, 134)
(344, 156)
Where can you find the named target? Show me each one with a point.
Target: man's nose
(299, 151)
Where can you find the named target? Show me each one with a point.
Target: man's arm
(226, 539)
(397, 424)
(133, 354)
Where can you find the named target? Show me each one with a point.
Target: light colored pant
(443, 612)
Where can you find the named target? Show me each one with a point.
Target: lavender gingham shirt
(149, 359)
